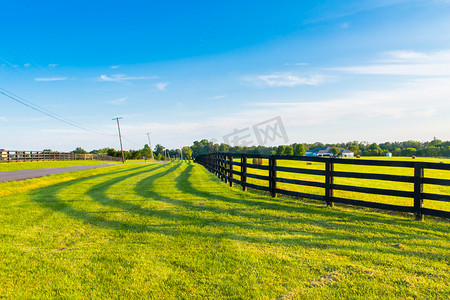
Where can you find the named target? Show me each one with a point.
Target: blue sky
(334, 71)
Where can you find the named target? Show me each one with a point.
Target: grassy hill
(175, 231)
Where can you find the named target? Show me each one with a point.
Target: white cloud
(415, 56)
(51, 79)
(218, 97)
(120, 101)
(400, 69)
(27, 65)
(284, 80)
(52, 65)
(296, 64)
(123, 78)
(115, 67)
(406, 62)
(161, 86)
(424, 98)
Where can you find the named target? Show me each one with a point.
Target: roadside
(36, 173)
(17, 166)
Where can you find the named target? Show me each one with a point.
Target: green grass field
(166, 231)
(16, 166)
(428, 188)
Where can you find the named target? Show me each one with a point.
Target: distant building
(326, 151)
(3, 154)
(389, 154)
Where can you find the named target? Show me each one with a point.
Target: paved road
(35, 173)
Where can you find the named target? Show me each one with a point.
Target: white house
(326, 151)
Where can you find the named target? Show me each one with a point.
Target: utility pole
(120, 138)
(181, 153)
(150, 144)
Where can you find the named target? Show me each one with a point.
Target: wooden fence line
(24, 156)
(221, 164)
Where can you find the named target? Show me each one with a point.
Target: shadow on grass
(253, 208)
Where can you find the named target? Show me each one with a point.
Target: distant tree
(134, 154)
(79, 150)
(159, 149)
(187, 152)
(111, 152)
(397, 152)
(299, 150)
(288, 150)
(335, 151)
(47, 150)
(224, 148)
(280, 150)
(430, 151)
(409, 151)
(146, 151)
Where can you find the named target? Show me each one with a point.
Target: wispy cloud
(123, 78)
(161, 86)
(217, 97)
(423, 97)
(50, 78)
(406, 62)
(120, 101)
(52, 65)
(115, 67)
(284, 80)
(296, 64)
(27, 65)
(417, 57)
(3, 119)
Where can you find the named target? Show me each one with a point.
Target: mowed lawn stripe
(176, 231)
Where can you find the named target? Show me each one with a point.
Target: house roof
(323, 150)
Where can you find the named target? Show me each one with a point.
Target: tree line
(159, 152)
(434, 148)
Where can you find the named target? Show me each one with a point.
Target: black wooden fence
(23, 156)
(225, 165)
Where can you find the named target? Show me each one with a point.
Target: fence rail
(228, 165)
(24, 156)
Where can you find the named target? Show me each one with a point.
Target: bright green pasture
(166, 231)
(16, 166)
(428, 188)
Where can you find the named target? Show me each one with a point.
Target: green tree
(288, 150)
(299, 150)
(146, 151)
(111, 152)
(187, 152)
(159, 149)
(409, 151)
(335, 151)
(281, 149)
(79, 150)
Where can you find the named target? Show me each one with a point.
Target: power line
(47, 112)
(53, 115)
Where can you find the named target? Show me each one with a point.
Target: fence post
(418, 189)
(230, 169)
(329, 168)
(217, 165)
(272, 176)
(243, 170)
(220, 162)
(224, 167)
